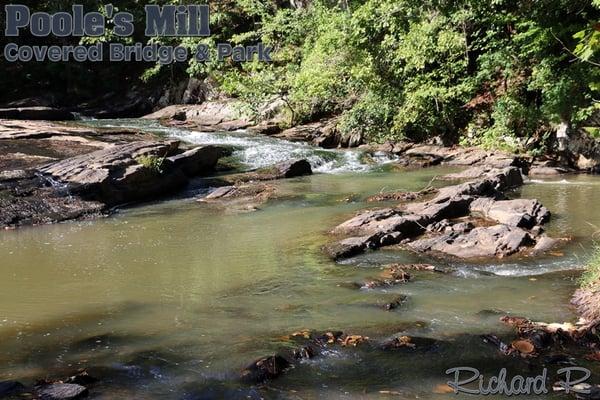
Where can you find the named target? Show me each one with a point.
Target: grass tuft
(153, 163)
(591, 276)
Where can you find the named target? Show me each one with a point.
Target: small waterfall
(61, 188)
(258, 151)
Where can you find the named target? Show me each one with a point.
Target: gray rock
(493, 241)
(196, 161)
(366, 222)
(545, 243)
(119, 174)
(522, 213)
(293, 168)
(221, 192)
(439, 209)
(348, 247)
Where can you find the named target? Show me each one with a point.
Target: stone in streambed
(196, 161)
(394, 303)
(264, 369)
(286, 169)
(522, 213)
(409, 343)
(348, 247)
(366, 221)
(62, 391)
(294, 168)
(493, 241)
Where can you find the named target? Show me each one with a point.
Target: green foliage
(492, 73)
(591, 276)
(151, 162)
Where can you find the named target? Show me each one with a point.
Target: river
(169, 300)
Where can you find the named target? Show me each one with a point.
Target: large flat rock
(132, 172)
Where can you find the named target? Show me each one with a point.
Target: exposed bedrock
(468, 220)
(132, 172)
(88, 184)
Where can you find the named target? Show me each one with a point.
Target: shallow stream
(171, 299)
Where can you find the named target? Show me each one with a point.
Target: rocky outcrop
(458, 221)
(247, 191)
(522, 213)
(132, 172)
(208, 116)
(87, 185)
(13, 129)
(323, 133)
(482, 242)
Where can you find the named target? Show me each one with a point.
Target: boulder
(208, 116)
(267, 128)
(522, 213)
(196, 161)
(545, 243)
(293, 168)
(285, 169)
(348, 247)
(492, 241)
(62, 391)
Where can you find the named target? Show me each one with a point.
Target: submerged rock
(62, 391)
(396, 302)
(264, 369)
(409, 343)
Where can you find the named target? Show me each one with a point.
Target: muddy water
(170, 300)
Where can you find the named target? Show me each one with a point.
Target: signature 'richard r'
(567, 379)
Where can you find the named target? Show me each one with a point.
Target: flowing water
(170, 300)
